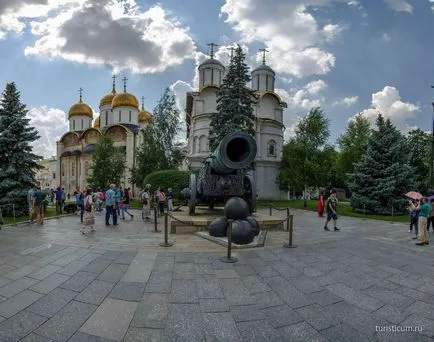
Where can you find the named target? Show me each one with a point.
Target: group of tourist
(36, 200)
(421, 217)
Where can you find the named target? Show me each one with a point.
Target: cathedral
(119, 116)
(202, 104)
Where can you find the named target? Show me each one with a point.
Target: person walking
(170, 199)
(126, 203)
(30, 194)
(331, 206)
(89, 216)
(161, 201)
(38, 205)
(145, 198)
(110, 206)
(59, 197)
(321, 205)
(414, 217)
(424, 211)
(431, 216)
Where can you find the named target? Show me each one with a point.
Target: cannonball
(253, 224)
(236, 208)
(218, 227)
(242, 234)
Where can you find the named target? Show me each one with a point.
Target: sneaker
(426, 242)
(132, 217)
(325, 228)
(337, 229)
(410, 231)
(420, 243)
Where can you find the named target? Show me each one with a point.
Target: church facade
(201, 105)
(119, 116)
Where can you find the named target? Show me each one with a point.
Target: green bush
(175, 179)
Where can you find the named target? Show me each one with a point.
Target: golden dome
(125, 100)
(96, 123)
(107, 100)
(145, 117)
(80, 108)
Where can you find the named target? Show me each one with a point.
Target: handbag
(88, 207)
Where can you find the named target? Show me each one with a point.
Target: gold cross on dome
(80, 91)
(125, 83)
(211, 54)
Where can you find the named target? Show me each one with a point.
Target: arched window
(106, 118)
(129, 117)
(119, 116)
(86, 168)
(73, 169)
(195, 147)
(271, 148)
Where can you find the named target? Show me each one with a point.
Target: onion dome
(144, 116)
(263, 67)
(80, 108)
(125, 99)
(107, 99)
(96, 123)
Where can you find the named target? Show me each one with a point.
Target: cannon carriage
(224, 174)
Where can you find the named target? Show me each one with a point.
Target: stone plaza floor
(119, 285)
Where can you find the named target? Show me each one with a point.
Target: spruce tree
(17, 161)
(108, 164)
(383, 176)
(234, 102)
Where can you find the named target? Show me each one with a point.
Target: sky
(346, 56)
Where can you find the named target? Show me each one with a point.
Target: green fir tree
(234, 102)
(108, 164)
(383, 176)
(17, 161)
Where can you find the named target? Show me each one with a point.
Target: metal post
(364, 209)
(290, 220)
(392, 210)
(155, 221)
(229, 258)
(271, 209)
(166, 231)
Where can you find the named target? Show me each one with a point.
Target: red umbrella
(414, 195)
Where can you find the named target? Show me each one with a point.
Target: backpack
(161, 196)
(143, 198)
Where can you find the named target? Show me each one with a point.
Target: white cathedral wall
(125, 115)
(265, 176)
(267, 107)
(79, 123)
(106, 116)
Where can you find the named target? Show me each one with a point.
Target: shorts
(331, 216)
(38, 210)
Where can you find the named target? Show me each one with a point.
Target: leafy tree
(150, 157)
(166, 124)
(17, 161)
(383, 175)
(419, 144)
(234, 102)
(108, 164)
(352, 144)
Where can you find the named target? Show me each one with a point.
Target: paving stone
(282, 315)
(79, 281)
(15, 328)
(20, 272)
(36, 338)
(16, 287)
(140, 268)
(345, 333)
(50, 283)
(125, 258)
(244, 270)
(235, 292)
(392, 314)
(95, 292)
(4, 281)
(226, 274)
(418, 295)
(113, 273)
(152, 311)
(291, 295)
(66, 322)
(111, 320)
(128, 291)
(301, 332)
(265, 271)
(389, 297)
(13, 305)
(66, 259)
(205, 269)
(44, 272)
(267, 299)
(324, 297)
(220, 327)
(246, 313)
(184, 271)
(317, 317)
(312, 272)
(160, 281)
(98, 265)
(416, 320)
(144, 335)
(164, 263)
(184, 323)
(73, 267)
(48, 305)
(184, 291)
(110, 255)
(82, 337)
(213, 305)
(255, 284)
(406, 281)
(286, 271)
(208, 288)
(53, 257)
(305, 284)
(402, 336)
(258, 331)
(351, 296)
(4, 269)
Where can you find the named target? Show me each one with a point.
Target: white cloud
(388, 102)
(347, 101)
(432, 5)
(385, 37)
(357, 4)
(100, 33)
(51, 124)
(289, 31)
(399, 5)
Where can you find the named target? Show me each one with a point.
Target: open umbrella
(414, 195)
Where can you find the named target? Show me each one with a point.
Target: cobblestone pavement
(119, 285)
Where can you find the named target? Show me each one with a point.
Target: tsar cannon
(224, 174)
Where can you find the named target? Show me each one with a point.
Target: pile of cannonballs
(244, 227)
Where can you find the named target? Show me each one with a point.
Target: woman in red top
(321, 205)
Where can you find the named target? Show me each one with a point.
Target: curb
(27, 222)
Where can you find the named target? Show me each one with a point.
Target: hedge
(175, 179)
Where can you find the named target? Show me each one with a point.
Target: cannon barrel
(236, 151)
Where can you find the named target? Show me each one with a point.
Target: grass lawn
(51, 211)
(344, 209)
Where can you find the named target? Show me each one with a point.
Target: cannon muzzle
(236, 151)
